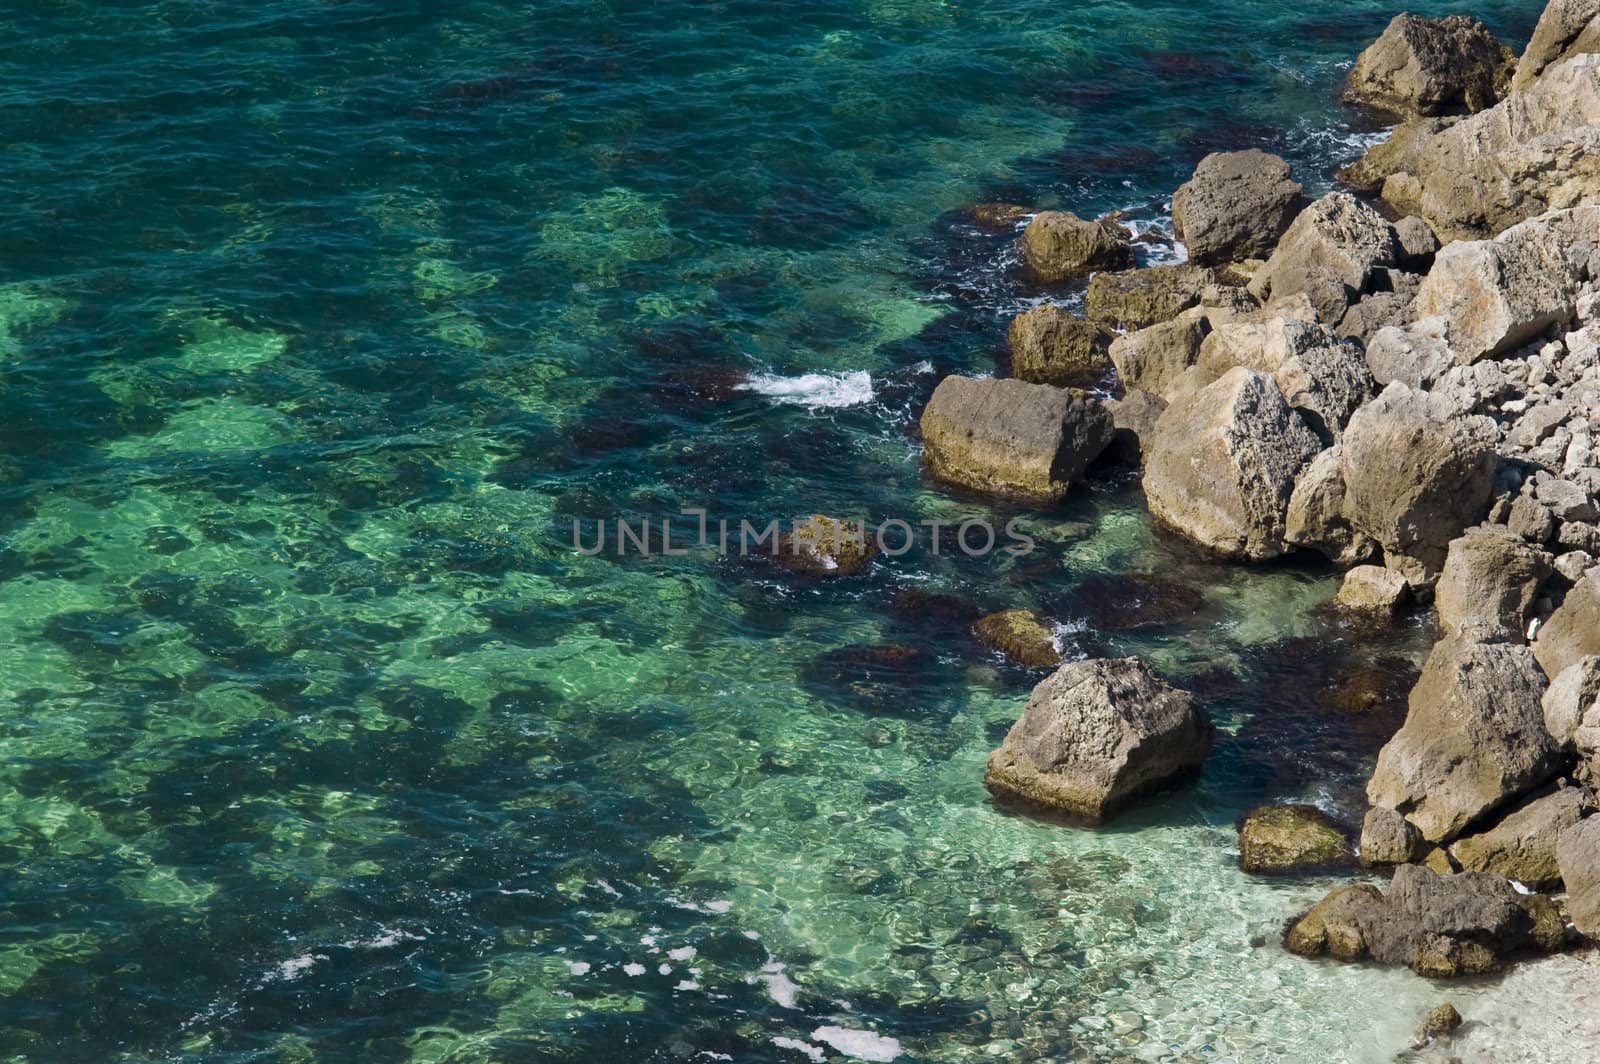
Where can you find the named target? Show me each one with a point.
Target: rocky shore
(1402, 376)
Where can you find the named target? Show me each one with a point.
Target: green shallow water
(319, 327)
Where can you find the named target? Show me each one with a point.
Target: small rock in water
(1442, 1021)
(1022, 635)
(827, 546)
(1291, 838)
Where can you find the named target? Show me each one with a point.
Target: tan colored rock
(1133, 418)
(1026, 637)
(1573, 632)
(1490, 583)
(1095, 735)
(1138, 299)
(1329, 253)
(1388, 838)
(1235, 207)
(1154, 359)
(1059, 246)
(1052, 345)
(1578, 858)
(1321, 376)
(1291, 838)
(1522, 846)
(1375, 590)
(1474, 737)
(1423, 66)
(1572, 703)
(1011, 439)
(1222, 462)
(1315, 519)
(1567, 28)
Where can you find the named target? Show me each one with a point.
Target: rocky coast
(1403, 377)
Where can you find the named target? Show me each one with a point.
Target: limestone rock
(1374, 590)
(1023, 636)
(1329, 253)
(1423, 66)
(1567, 28)
(1133, 419)
(1442, 1021)
(1388, 838)
(1578, 857)
(1010, 438)
(1416, 354)
(1523, 845)
(827, 546)
(1235, 207)
(1095, 735)
(1573, 631)
(1291, 838)
(1154, 359)
(1315, 518)
(1222, 463)
(1573, 700)
(1137, 299)
(1490, 582)
(1323, 378)
(1059, 246)
(1052, 345)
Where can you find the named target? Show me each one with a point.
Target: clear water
(320, 324)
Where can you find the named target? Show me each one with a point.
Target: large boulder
(1496, 295)
(1441, 926)
(1052, 345)
(1373, 590)
(1474, 738)
(1414, 479)
(1010, 438)
(1573, 631)
(1137, 299)
(1523, 845)
(1578, 858)
(1423, 66)
(1572, 704)
(1154, 359)
(1222, 463)
(1059, 246)
(1316, 516)
(1321, 376)
(1330, 253)
(1567, 28)
(1490, 583)
(1095, 735)
(1417, 354)
(1291, 838)
(1236, 206)
(1535, 151)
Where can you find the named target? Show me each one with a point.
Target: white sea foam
(817, 391)
(816, 1053)
(634, 968)
(294, 968)
(579, 967)
(862, 1045)
(784, 991)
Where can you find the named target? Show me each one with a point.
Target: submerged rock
(1235, 207)
(1137, 299)
(827, 546)
(1095, 735)
(1011, 438)
(1024, 636)
(1222, 464)
(1522, 846)
(1441, 926)
(1474, 737)
(1059, 246)
(1291, 838)
(997, 215)
(1052, 345)
(1423, 66)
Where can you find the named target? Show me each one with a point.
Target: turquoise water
(319, 326)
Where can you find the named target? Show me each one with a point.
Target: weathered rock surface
(1473, 739)
(1414, 479)
(1222, 462)
(1096, 734)
(1291, 838)
(1059, 246)
(1490, 583)
(1442, 1021)
(1154, 359)
(827, 546)
(1573, 631)
(1133, 419)
(1417, 354)
(1316, 518)
(1523, 845)
(1578, 858)
(1573, 701)
(1010, 438)
(1567, 28)
(1329, 253)
(1137, 299)
(1052, 345)
(1388, 838)
(1235, 207)
(1441, 926)
(1423, 66)
(1374, 590)
(1024, 636)
(1323, 378)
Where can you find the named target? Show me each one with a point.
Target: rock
(1222, 463)
(1578, 858)
(1523, 845)
(1375, 312)
(1375, 590)
(1490, 582)
(1315, 519)
(1496, 295)
(1418, 243)
(1474, 738)
(1423, 66)
(1416, 354)
(1154, 359)
(1566, 500)
(1323, 378)
(1059, 246)
(1573, 696)
(1021, 635)
(1388, 838)
(1133, 419)
(1573, 631)
(1442, 1021)
(1235, 207)
(1572, 566)
(1052, 345)
(1567, 28)
(998, 215)
(1095, 735)
(827, 546)
(1329, 253)
(1291, 838)
(1530, 521)
(1415, 480)
(1010, 438)
(1441, 926)
(1137, 299)
(1533, 152)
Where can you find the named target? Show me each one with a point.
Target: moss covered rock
(1023, 636)
(1291, 838)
